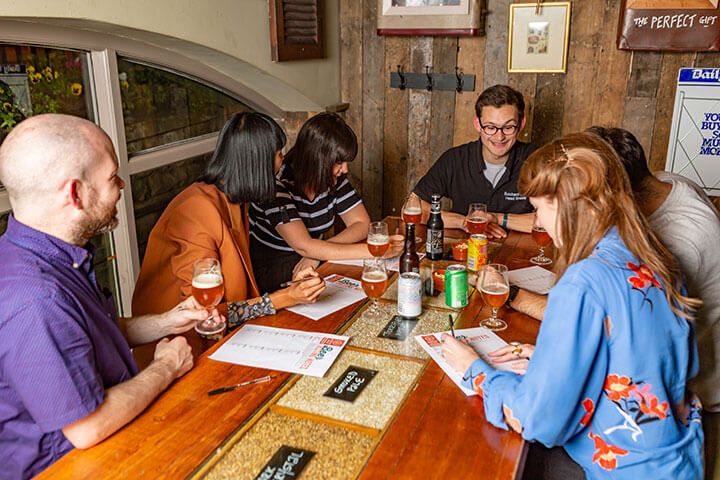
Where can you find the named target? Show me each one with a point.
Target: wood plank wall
(402, 133)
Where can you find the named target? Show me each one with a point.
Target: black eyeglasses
(492, 129)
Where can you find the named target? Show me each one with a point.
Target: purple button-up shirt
(60, 347)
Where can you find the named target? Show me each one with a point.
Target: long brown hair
(593, 194)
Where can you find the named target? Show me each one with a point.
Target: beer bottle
(435, 234)
(409, 261)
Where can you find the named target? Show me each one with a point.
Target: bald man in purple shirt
(67, 376)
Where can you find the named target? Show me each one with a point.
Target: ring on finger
(517, 350)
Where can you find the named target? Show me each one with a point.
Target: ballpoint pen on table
(452, 325)
(266, 378)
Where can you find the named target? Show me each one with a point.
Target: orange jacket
(200, 222)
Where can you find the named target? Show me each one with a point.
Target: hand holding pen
(306, 288)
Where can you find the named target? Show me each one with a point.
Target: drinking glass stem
(493, 316)
(542, 252)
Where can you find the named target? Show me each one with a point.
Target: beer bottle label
(434, 243)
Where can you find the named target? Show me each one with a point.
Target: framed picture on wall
(430, 17)
(538, 37)
(669, 25)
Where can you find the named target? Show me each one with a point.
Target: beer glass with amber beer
(542, 239)
(378, 240)
(374, 282)
(494, 288)
(412, 212)
(208, 290)
(476, 219)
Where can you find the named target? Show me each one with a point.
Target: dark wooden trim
(283, 50)
(431, 32)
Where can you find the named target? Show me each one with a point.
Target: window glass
(154, 189)
(35, 80)
(160, 107)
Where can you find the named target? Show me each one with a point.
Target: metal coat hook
(403, 80)
(459, 79)
(429, 85)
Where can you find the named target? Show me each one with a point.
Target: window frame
(104, 51)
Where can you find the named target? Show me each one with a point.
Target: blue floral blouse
(607, 380)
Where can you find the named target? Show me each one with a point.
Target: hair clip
(566, 154)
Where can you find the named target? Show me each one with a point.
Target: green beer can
(456, 286)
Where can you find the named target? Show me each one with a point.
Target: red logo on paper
(431, 340)
(334, 342)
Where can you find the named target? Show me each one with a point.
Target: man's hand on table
(175, 354)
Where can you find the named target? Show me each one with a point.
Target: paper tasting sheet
(536, 279)
(295, 351)
(481, 339)
(392, 264)
(340, 292)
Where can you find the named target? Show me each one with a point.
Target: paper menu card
(294, 351)
(481, 339)
(535, 279)
(392, 264)
(340, 292)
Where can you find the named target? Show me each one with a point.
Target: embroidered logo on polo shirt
(514, 196)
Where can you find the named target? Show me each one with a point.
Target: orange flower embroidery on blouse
(606, 455)
(617, 387)
(650, 405)
(589, 407)
(477, 384)
(644, 276)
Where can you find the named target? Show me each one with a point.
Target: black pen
(266, 378)
(293, 282)
(452, 325)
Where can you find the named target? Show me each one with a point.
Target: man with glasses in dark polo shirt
(486, 170)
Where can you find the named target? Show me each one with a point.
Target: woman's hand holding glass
(208, 290)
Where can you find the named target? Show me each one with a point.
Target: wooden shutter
(296, 29)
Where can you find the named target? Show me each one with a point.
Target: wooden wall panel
(395, 140)
(351, 68)
(612, 72)
(374, 79)
(403, 132)
(470, 59)
(585, 25)
(496, 38)
(419, 116)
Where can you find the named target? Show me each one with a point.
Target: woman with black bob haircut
(209, 219)
(288, 234)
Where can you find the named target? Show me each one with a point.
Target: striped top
(290, 205)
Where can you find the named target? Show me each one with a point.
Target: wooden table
(437, 432)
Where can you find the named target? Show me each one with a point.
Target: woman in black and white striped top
(311, 190)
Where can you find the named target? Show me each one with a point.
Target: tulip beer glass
(494, 288)
(476, 219)
(208, 290)
(542, 238)
(374, 282)
(378, 240)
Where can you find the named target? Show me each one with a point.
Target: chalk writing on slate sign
(351, 383)
(398, 328)
(288, 462)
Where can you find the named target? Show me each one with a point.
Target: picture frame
(538, 37)
(669, 25)
(430, 17)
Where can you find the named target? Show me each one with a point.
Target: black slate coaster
(288, 462)
(398, 328)
(351, 383)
